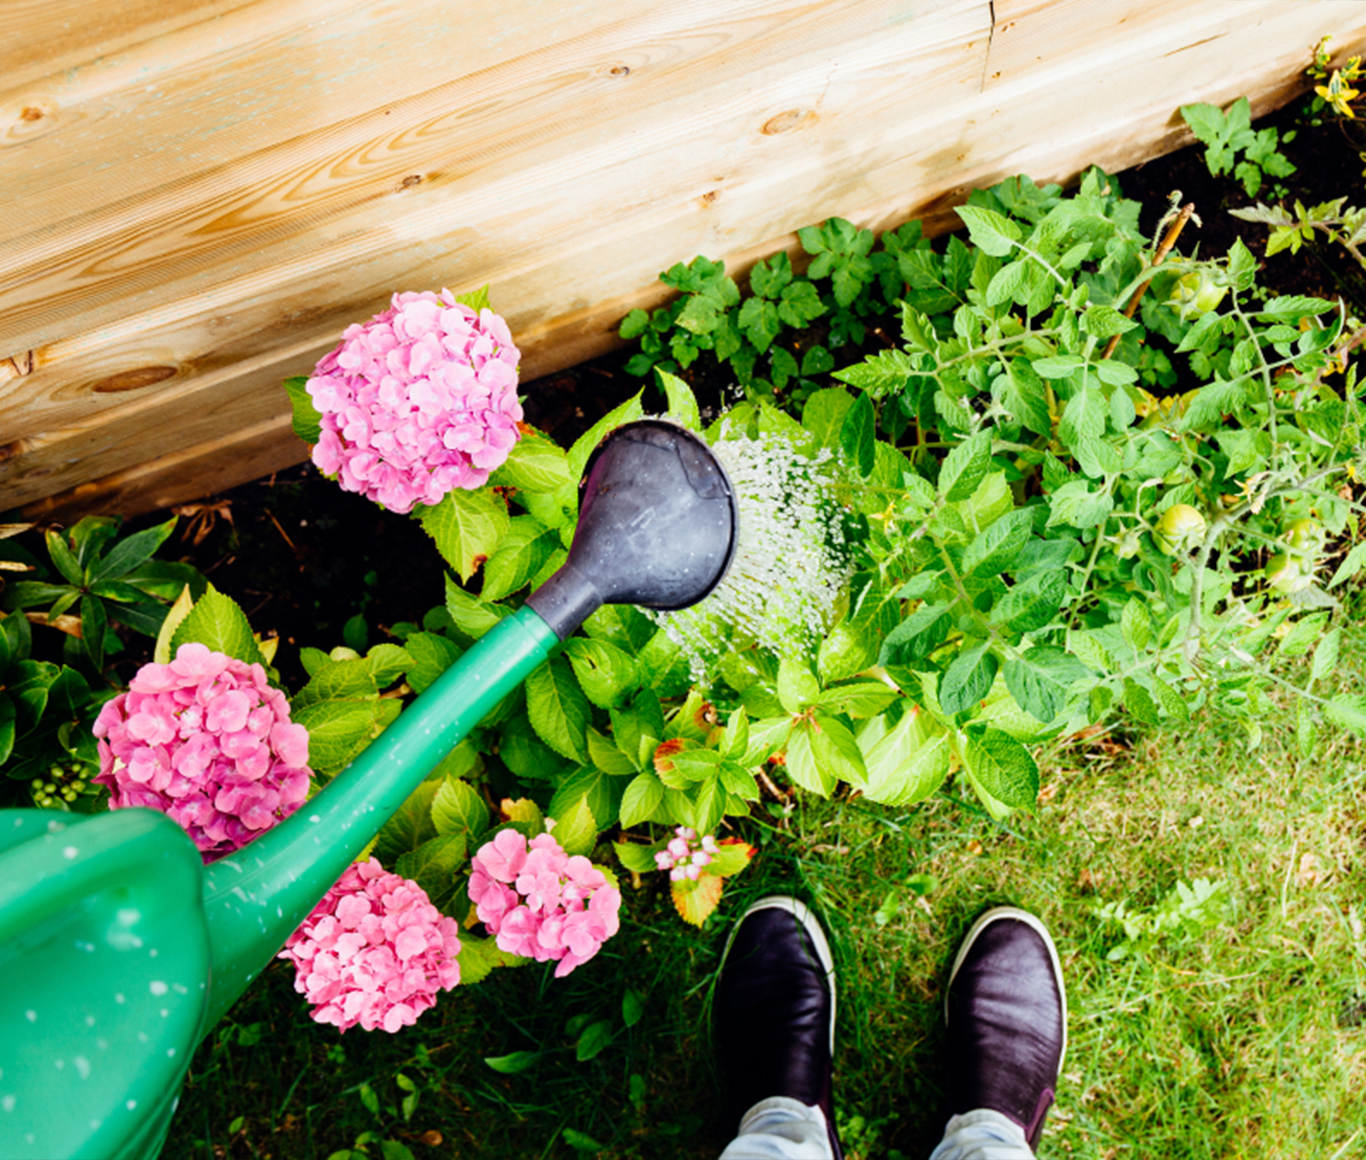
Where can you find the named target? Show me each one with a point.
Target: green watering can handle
(116, 959)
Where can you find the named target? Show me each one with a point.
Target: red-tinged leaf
(732, 855)
(694, 901)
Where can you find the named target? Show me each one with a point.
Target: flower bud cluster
(417, 402)
(374, 951)
(541, 903)
(685, 856)
(209, 743)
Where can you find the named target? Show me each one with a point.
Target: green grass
(1245, 1037)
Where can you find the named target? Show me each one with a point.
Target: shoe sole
(802, 913)
(995, 914)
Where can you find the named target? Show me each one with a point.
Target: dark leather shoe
(774, 1009)
(1007, 1020)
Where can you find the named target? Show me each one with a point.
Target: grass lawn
(1228, 1024)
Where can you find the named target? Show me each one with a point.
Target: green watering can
(119, 950)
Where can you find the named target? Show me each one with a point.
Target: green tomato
(1305, 536)
(1196, 294)
(1179, 529)
(1287, 574)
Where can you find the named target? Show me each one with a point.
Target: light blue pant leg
(780, 1128)
(982, 1135)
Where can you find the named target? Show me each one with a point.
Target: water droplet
(70, 852)
(82, 1066)
(31, 1016)
(7, 1102)
(131, 1105)
(157, 987)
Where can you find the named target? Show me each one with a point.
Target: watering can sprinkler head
(658, 526)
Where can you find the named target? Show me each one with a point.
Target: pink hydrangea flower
(374, 951)
(418, 401)
(685, 856)
(208, 742)
(539, 902)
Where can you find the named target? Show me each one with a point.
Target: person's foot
(775, 1009)
(1007, 1020)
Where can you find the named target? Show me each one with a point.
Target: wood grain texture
(304, 160)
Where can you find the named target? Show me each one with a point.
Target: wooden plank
(214, 90)
(704, 176)
(185, 475)
(520, 138)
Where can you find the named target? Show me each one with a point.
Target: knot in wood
(132, 380)
(786, 122)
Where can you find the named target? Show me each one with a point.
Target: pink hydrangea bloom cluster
(685, 855)
(208, 742)
(374, 951)
(540, 903)
(417, 402)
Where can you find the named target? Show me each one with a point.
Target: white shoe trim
(802, 913)
(1034, 923)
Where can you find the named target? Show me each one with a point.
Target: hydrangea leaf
(410, 826)
(467, 527)
(695, 901)
(217, 622)
(457, 808)
(307, 422)
(558, 709)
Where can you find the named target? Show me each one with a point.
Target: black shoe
(775, 1009)
(1007, 1020)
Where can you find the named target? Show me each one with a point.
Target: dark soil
(302, 556)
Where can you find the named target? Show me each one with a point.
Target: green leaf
(432, 655)
(1347, 711)
(1136, 625)
(1040, 679)
(969, 678)
(858, 434)
(642, 797)
(558, 709)
(632, 1008)
(1000, 545)
(466, 527)
(519, 556)
(65, 559)
(1350, 565)
(468, 613)
(576, 829)
(1083, 417)
(162, 654)
(856, 699)
(1004, 767)
(587, 443)
(1326, 655)
(965, 467)
(636, 858)
(477, 300)
(535, 463)
(1140, 703)
(307, 421)
(513, 1062)
(917, 636)
(1105, 322)
(1032, 603)
(217, 622)
(608, 676)
(8, 716)
(992, 232)
(410, 827)
(338, 680)
(595, 1037)
(133, 552)
(457, 808)
(909, 761)
(433, 865)
(797, 686)
(682, 402)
